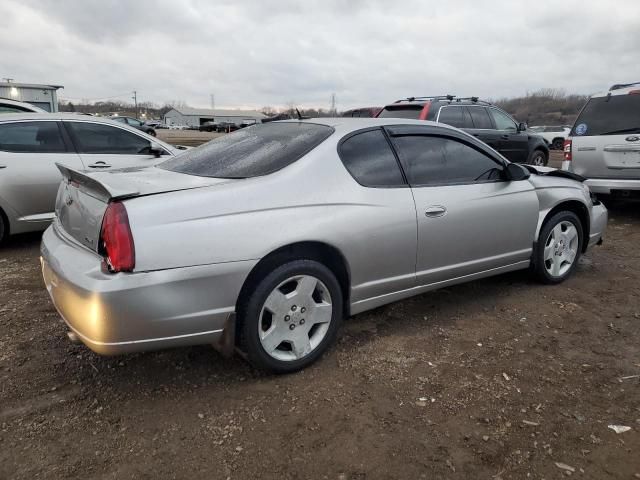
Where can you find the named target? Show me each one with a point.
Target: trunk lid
(606, 156)
(83, 196)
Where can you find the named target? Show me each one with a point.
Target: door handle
(99, 165)
(435, 211)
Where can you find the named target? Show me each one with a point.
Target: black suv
(481, 119)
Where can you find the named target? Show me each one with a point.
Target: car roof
(618, 90)
(17, 103)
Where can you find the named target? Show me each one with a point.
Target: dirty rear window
(251, 152)
(611, 115)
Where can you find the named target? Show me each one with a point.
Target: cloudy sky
(369, 52)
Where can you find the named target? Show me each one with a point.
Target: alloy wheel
(561, 249)
(295, 318)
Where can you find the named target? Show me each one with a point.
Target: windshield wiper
(623, 130)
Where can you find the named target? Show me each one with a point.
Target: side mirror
(522, 127)
(156, 150)
(516, 172)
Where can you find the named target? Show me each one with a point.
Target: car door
(29, 178)
(103, 146)
(512, 143)
(470, 218)
(483, 128)
(383, 242)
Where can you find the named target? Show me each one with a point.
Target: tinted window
(119, 119)
(251, 152)
(451, 116)
(429, 160)
(37, 137)
(480, 118)
(502, 120)
(98, 138)
(609, 116)
(401, 111)
(369, 159)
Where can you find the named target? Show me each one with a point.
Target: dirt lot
(496, 379)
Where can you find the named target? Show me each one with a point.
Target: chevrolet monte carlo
(263, 240)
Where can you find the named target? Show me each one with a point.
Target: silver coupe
(263, 240)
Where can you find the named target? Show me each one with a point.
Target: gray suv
(604, 143)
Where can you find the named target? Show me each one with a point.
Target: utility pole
(333, 103)
(213, 101)
(135, 101)
(8, 80)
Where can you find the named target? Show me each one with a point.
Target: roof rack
(449, 98)
(618, 86)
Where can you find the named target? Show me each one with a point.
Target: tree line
(543, 107)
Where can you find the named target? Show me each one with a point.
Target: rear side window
(617, 114)
(401, 111)
(98, 138)
(251, 152)
(31, 137)
(370, 161)
(480, 118)
(456, 116)
(431, 160)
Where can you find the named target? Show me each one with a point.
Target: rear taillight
(567, 150)
(116, 241)
(425, 111)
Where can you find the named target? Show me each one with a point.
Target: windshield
(401, 111)
(615, 114)
(251, 152)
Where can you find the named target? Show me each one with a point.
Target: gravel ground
(499, 378)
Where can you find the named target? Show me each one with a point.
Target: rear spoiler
(93, 187)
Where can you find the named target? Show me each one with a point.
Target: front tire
(558, 248)
(291, 316)
(538, 158)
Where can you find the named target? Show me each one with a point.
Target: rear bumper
(605, 186)
(131, 312)
(599, 218)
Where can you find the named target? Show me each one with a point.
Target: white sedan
(32, 143)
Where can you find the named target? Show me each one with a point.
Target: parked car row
(225, 126)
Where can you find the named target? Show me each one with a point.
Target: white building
(43, 96)
(194, 117)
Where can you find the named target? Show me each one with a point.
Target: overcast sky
(262, 52)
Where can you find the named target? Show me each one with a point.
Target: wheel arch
(322, 252)
(577, 207)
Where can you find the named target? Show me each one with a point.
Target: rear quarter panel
(314, 199)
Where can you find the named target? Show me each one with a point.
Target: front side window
(31, 137)
(502, 120)
(133, 122)
(434, 160)
(99, 138)
(370, 160)
(480, 118)
(251, 152)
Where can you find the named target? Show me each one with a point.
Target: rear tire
(538, 158)
(558, 248)
(291, 316)
(152, 133)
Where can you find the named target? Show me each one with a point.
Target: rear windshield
(401, 111)
(617, 114)
(251, 152)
